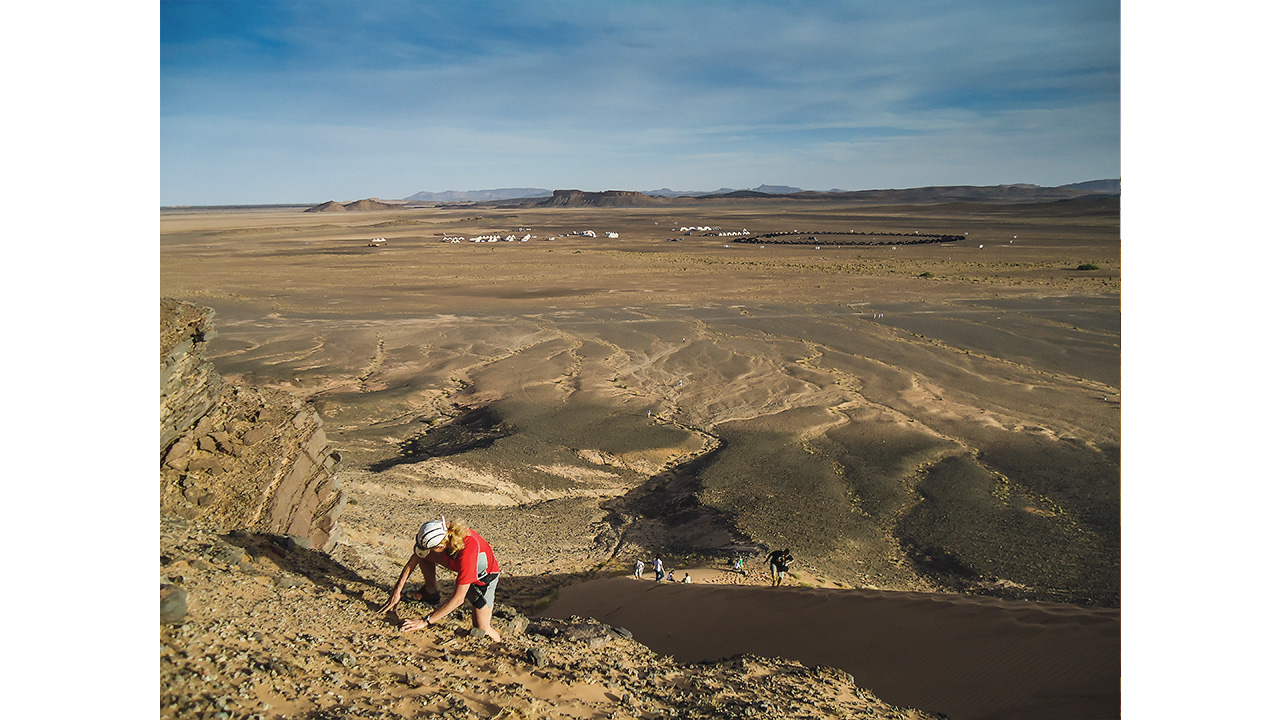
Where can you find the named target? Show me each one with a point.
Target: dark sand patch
(962, 656)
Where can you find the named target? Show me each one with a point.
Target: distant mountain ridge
(524, 193)
(764, 189)
(1102, 187)
(478, 195)
(1014, 192)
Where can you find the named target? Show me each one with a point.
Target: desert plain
(937, 420)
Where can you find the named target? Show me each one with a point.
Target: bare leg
(482, 618)
(428, 591)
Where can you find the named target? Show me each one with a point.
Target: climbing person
(657, 567)
(779, 564)
(639, 568)
(465, 552)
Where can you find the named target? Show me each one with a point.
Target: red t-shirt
(475, 560)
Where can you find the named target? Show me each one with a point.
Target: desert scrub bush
(541, 603)
(925, 274)
(1086, 266)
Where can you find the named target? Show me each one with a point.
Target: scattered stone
(223, 440)
(517, 625)
(173, 605)
(332, 654)
(228, 554)
(201, 462)
(256, 435)
(179, 454)
(543, 629)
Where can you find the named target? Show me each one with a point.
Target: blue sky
(265, 102)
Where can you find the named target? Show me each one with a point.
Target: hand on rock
(411, 625)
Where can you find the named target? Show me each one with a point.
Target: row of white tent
(499, 238)
(496, 237)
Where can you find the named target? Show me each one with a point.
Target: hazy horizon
(547, 191)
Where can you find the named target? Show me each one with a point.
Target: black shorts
(481, 595)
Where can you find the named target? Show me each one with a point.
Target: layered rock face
(241, 457)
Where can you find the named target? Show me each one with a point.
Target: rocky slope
(258, 620)
(255, 626)
(241, 457)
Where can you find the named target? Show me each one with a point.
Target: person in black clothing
(779, 564)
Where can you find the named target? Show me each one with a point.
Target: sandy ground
(923, 419)
(961, 656)
(274, 631)
(955, 432)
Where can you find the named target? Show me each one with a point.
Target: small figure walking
(657, 567)
(779, 564)
(639, 568)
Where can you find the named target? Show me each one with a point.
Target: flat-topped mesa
(608, 198)
(241, 457)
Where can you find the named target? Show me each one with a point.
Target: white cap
(431, 534)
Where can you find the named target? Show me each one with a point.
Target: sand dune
(967, 657)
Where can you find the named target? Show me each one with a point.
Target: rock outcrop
(371, 204)
(366, 204)
(241, 457)
(608, 198)
(330, 206)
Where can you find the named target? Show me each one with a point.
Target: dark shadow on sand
(475, 428)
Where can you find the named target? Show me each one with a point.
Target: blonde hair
(458, 532)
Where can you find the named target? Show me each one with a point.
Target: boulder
(173, 605)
